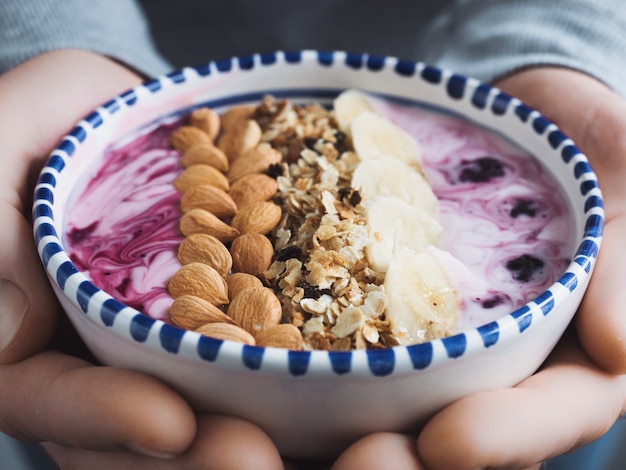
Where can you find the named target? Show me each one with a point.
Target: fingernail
(148, 453)
(13, 306)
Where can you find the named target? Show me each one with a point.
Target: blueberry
(480, 170)
(523, 207)
(524, 267)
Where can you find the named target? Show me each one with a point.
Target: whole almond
(205, 154)
(237, 282)
(284, 335)
(207, 249)
(206, 119)
(256, 160)
(234, 116)
(226, 331)
(259, 217)
(209, 198)
(196, 175)
(252, 253)
(190, 312)
(201, 221)
(185, 137)
(256, 187)
(200, 280)
(255, 309)
(244, 135)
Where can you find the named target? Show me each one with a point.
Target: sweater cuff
(489, 39)
(114, 28)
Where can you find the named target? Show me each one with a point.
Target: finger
(222, 443)
(27, 304)
(381, 450)
(41, 100)
(600, 322)
(566, 405)
(58, 398)
(595, 118)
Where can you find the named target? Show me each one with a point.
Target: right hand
(87, 416)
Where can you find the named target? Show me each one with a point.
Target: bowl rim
(106, 311)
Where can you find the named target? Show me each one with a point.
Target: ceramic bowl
(316, 403)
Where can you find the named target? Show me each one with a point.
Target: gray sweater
(481, 38)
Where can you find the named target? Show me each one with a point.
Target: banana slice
(422, 304)
(348, 105)
(374, 135)
(395, 223)
(388, 176)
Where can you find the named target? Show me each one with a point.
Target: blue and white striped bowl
(314, 403)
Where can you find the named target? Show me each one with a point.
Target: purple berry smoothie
(507, 227)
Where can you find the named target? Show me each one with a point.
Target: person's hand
(88, 417)
(579, 393)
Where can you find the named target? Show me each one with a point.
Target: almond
(209, 198)
(196, 175)
(255, 309)
(206, 154)
(235, 142)
(200, 280)
(201, 221)
(190, 312)
(251, 253)
(284, 335)
(207, 249)
(256, 160)
(233, 117)
(226, 331)
(259, 217)
(207, 120)
(256, 187)
(237, 282)
(185, 137)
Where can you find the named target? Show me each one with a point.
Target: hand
(578, 394)
(87, 416)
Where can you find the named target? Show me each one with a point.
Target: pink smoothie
(506, 226)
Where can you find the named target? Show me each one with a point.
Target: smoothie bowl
(326, 244)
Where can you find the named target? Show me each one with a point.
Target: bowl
(314, 403)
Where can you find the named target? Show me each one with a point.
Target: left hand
(579, 393)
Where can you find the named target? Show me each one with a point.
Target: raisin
(523, 207)
(524, 267)
(340, 139)
(313, 292)
(481, 170)
(289, 252)
(274, 170)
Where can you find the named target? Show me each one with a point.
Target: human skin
(56, 396)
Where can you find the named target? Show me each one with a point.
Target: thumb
(27, 302)
(41, 100)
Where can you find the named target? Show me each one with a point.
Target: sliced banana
(388, 176)
(348, 105)
(422, 304)
(374, 135)
(395, 223)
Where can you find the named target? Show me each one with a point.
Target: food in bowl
(313, 402)
(333, 211)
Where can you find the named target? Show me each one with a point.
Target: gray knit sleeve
(116, 28)
(488, 39)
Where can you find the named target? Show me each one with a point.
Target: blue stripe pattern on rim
(380, 362)
(524, 317)
(109, 311)
(421, 355)
(489, 333)
(298, 362)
